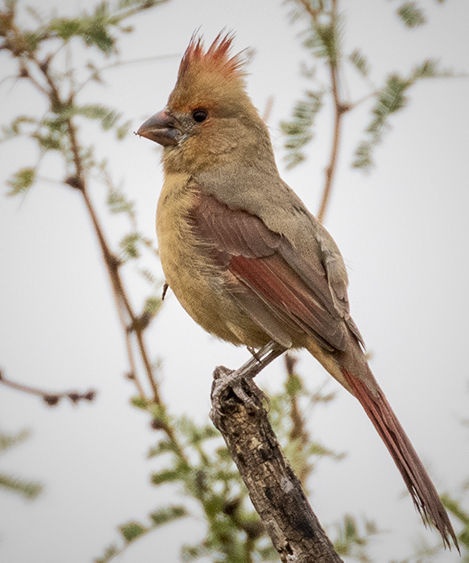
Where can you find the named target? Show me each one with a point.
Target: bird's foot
(253, 352)
(240, 382)
(227, 382)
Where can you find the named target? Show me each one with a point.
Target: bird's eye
(199, 115)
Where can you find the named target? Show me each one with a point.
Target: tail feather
(416, 478)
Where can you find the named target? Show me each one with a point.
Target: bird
(244, 256)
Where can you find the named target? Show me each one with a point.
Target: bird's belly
(200, 285)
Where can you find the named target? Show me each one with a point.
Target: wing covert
(291, 291)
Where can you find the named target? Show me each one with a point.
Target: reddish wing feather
(255, 257)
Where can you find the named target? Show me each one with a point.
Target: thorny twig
(51, 399)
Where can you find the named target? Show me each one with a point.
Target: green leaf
(21, 181)
(363, 157)
(29, 489)
(428, 69)
(7, 441)
(110, 120)
(194, 433)
(118, 202)
(293, 385)
(96, 28)
(299, 131)
(411, 14)
(122, 130)
(49, 142)
(65, 28)
(139, 402)
(350, 541)
(390, 99)
(193, 552)
(107, 116)
(163, 447)
(323, 39)
(316, 449)
(166, 515)
(167, 476)
(129, 245)
(359, 61)
(93, 29)
(456, 509)
(152, 305)
(132, 531)
(150, 277)
(15, 128)
(109, 553)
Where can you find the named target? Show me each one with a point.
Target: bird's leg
(225, 380)
(253, 352)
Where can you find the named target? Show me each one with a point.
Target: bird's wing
(274, 281)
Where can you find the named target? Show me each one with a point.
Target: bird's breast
(199, 281)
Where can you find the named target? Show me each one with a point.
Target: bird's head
(209, 114)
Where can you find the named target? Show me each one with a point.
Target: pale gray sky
(403, 231)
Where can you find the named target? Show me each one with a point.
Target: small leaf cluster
(352, 538)
(95, 29)
(411, 14)
(390, 99)
(288, 411)
(322, 40)
(131, 531)
(196, 462)
(299, 130)
(52, 132)
(455, 507)
(26, 488)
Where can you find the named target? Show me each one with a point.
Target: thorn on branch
(113, 261)
(157, 424)
(254, 530)
(44, 65)
(51, 399)
(140, 323)
(75, 397)
(75, 182)
(231, 506)
(344, 108)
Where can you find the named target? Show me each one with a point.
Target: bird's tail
(416, 478)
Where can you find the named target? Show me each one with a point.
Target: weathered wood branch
(275, 491)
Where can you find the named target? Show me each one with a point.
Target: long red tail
(416, 478)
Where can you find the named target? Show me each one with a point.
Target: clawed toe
(226, 381)
(240, 382)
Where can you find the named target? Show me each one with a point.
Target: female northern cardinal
(244, 256)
